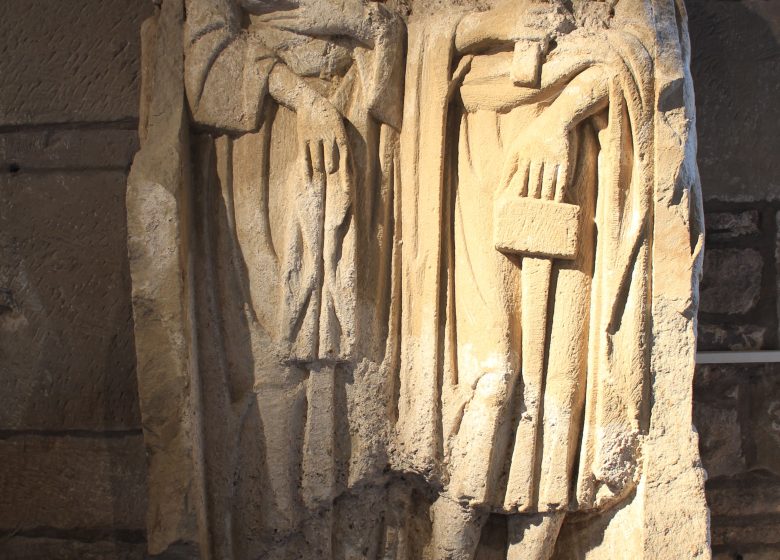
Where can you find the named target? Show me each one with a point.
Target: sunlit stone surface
(418, 282)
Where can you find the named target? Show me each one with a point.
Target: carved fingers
(538, 165)
(322, 138)
(323, 155)
(542, 177)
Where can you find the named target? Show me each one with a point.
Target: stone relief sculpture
(539, 310)
(417, 280)
(296, 169)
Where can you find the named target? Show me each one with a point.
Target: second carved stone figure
(297, 109)
(524, 393)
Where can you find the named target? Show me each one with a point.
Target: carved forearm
(288, 89)
(480, 30)
(510, 22)
(583, 97)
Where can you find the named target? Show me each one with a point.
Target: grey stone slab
(764, 420)
(749, 496)
(724, 226)
(26, 548)
(69, 61)
(66, 340)
(731, 336)
(720, 394)
(102, 148)
(765, 532)
(735, 68)
(732, 281)
(755, 553)
(720, 438)
(63, 482)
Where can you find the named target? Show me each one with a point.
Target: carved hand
(539, 162)
(322, 140)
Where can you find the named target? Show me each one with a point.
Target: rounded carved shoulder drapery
(418, 280)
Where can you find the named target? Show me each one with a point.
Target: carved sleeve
(226, 71)
(382, 67)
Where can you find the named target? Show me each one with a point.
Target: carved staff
(541, 228)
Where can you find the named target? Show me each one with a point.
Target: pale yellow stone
(405, 276)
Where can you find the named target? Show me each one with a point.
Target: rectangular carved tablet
(529, 226)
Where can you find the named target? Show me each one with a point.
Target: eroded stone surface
(77, 149)
(72, 482)
(732, 280)
(65, 320)
(340, 355)
(35, 548)
(723, 226)
(70, 63)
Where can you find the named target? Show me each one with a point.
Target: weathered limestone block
(766, 531)
(418, 280)
(36, 548)
(751, 496)
(718, 394)
(723, 226)
(764, 420)
(66, 482)
(731, 336)
(734, 76)
(744, 516)
(58, 149)
(753, 553)
(66, 336)
(732, 280)
(69, 62)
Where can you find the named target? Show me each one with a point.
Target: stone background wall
(72, 461)
(72, 467)
(736, 69)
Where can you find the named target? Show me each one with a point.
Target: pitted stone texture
(56, 149)
(65, 320)
(72, 483)
(732, 280)
(70, 62)
(36, 548)
(735, 69)
(731, 336)
(717, 418)
(723, 226)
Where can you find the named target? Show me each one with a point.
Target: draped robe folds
(291, 277)
(232, 388)
(312, 262)
(596, 412)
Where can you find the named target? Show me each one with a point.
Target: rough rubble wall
(736, 64)
(72, 475)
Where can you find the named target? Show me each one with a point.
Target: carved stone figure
(539, 309)
(291, 163)
(417, 280)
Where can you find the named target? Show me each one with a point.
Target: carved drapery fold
(398, 278)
